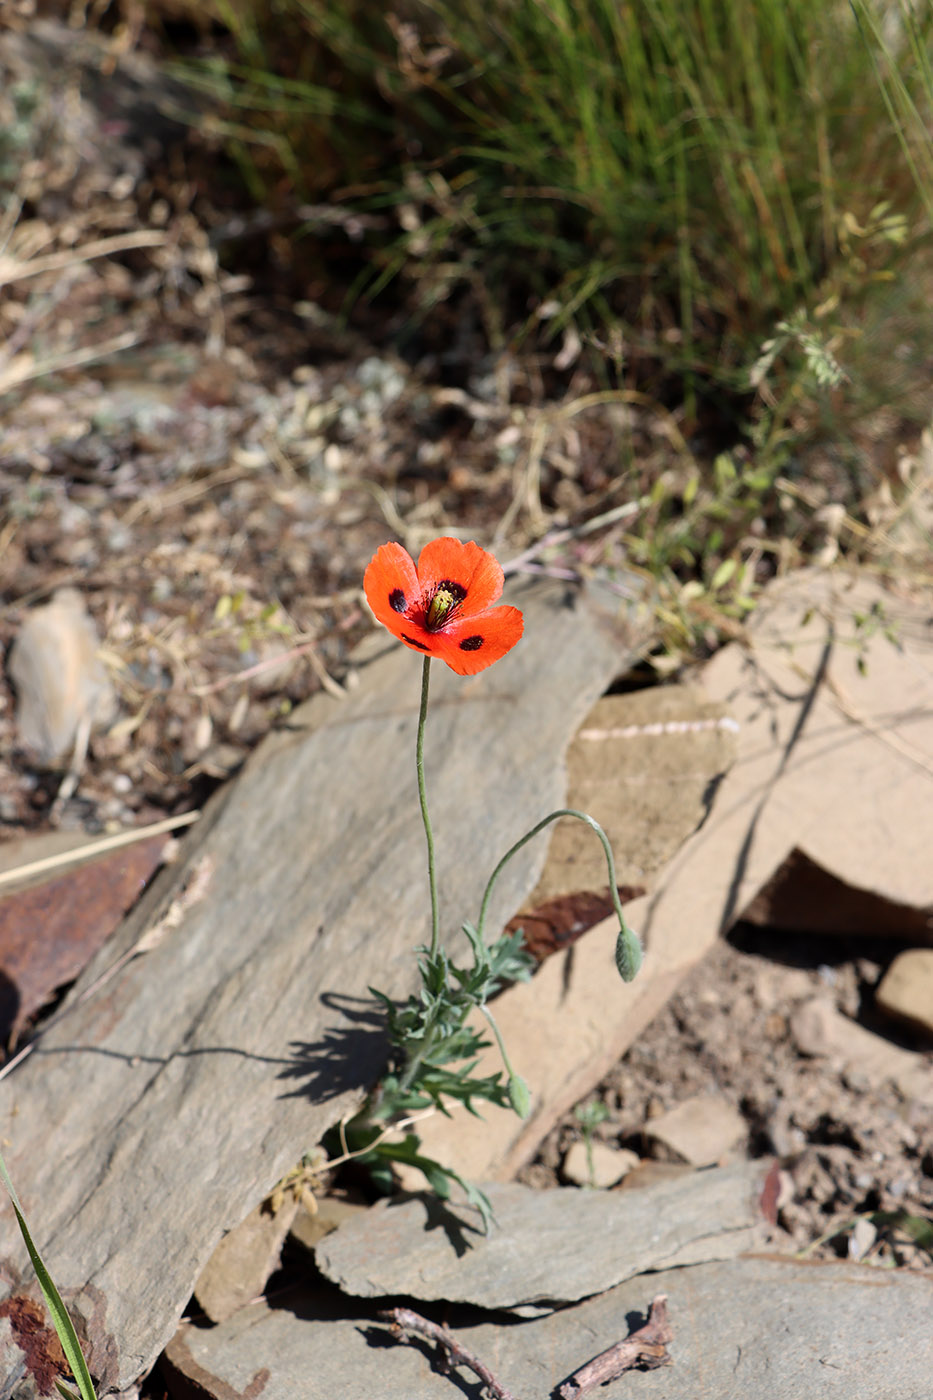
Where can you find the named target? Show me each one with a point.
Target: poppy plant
(444, 607)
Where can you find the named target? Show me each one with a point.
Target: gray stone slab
(768, 1327)
(548, 1247)
(156, 1114)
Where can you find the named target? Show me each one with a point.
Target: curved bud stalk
(628, 953)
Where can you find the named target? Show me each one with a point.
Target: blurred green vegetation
(682, 181)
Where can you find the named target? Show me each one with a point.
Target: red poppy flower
(444, 607)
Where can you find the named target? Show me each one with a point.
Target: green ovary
(439, 609)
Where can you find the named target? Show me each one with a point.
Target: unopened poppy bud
(628, 953)
(519, 1095)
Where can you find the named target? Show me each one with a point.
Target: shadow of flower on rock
(346, 1057)
(441, 1215)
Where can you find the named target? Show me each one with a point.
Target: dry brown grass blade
(15, 270)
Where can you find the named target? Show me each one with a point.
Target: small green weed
(64, 1327)
(891, 1225)
(589, 1116)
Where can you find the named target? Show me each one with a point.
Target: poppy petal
(391, 586)
(477, 572)
(418, 639)
(470, 644)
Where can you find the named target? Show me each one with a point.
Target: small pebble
(701, 1130)
(906, 990)
(610, 1164)
(862, 1238)
(60, 682)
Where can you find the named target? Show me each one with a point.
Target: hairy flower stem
(628, 947)
(415, 1061)
(499, 1041)
(422, 794)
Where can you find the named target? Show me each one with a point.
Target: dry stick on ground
(453, 1354)
(645, 1348)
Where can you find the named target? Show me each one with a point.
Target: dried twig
(453, 1354)
(645, 1349)
(349, 1155)
(72, 778)
(558, 537)
(24, 369)
(307, 649)
(13, 270)
(77, 855)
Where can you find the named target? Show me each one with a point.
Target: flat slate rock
(772, 1327)
(154, 1116)
(547, 1247)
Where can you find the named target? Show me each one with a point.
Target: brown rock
(602, 1166)
(701, 1130)
(813, 1027)
(906, 990)
(649, 1172)
(50, 932)
(801, 895)
(331, 1213)
(819, 1029)
(60, 681)
(237, 1271)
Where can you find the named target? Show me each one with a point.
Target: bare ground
(848, 1144)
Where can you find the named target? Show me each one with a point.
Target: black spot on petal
(397, 600)
(413, 642)
(471, 643)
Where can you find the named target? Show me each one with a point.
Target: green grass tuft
(678, 179)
